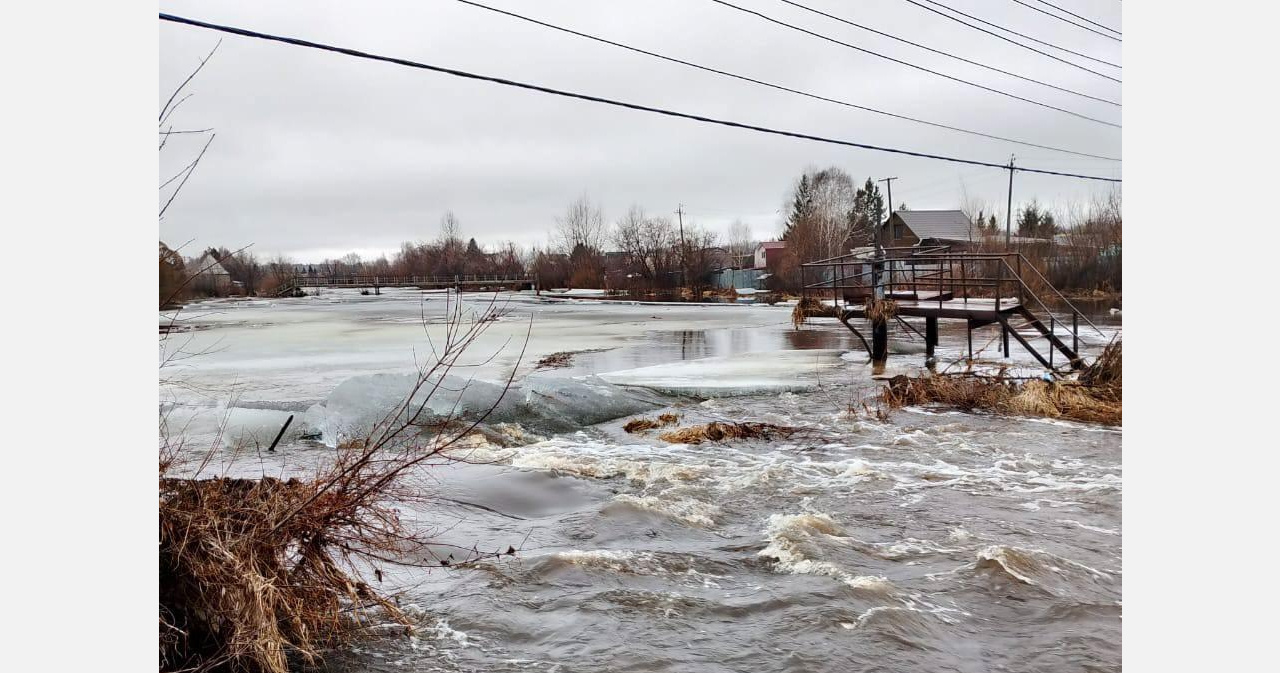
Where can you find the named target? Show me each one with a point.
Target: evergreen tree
(801, 205)
(867, 213)
(1036, 222)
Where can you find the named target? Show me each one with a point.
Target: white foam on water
(793, 546)
(688, 510)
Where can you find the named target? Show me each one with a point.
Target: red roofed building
(768, 254)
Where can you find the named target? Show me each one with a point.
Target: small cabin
(907, 228)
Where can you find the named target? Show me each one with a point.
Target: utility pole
(877, 270)
(888, 184)
(684, 266)
(1008, 215)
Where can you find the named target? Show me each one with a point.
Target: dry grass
(716, 431)
(810, 307)
(1107, 370)
(555, 360)
(563, 358)
(1074, 400)
(256, 574)
(250, 574)
(636, 425)
(880, 310)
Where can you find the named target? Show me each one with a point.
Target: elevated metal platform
(935, 283)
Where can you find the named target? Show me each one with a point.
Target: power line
(597, 99)
(1042, 53)
(771, 85)
(1067, 11)
(950, 55)
(912, 65)
(1066, 20)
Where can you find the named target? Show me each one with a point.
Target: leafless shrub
(255, 572)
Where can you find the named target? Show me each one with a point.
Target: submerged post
(930, 336)
(1075, 332)
(879, 340)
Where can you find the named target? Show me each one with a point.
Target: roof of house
(208, 264)
(768, 245)
(947, 225)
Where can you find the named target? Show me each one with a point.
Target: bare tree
(741, 241)
(648, 244)
(581, 225)
(450, 228)
(702, 257)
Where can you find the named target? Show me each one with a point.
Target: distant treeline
(827, 214)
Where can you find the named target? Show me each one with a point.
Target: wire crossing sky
(607, 101)
(318, 155)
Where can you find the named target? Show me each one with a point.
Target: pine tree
(867, 213)
(801, 205)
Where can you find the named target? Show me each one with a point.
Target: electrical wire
(912, 65)
(778, 87)
(597, 99)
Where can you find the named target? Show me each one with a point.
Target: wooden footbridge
(936, 283)
(480, 282)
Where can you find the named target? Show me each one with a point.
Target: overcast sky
(318, 154)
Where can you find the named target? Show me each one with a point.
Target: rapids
(937, 540)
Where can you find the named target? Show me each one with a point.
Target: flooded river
(933, 541)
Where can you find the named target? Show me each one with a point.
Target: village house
(210, 277)
(769, 254)
(907, 228)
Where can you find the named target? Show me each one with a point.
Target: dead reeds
(880, 310)
(1095, 397)
(811, 307)
(716, 431)
(258, 573)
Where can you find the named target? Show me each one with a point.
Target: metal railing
(955, 276)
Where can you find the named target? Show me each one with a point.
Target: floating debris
(716, 431)
(645, 424)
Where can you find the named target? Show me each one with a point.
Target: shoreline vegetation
(259, 574)
(1095, 396)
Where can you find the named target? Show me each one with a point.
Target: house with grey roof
(210, 277)
(906, 228)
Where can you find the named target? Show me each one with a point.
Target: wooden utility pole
(684, 265)
(1008, 215)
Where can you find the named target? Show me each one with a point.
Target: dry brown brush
(645, 424)
(716, 431)
(811, 307)
(257, 573)
(880, 310)
(1094, 397)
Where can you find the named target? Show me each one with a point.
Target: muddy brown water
(935, 541)
(938, 541)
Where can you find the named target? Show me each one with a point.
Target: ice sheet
(743, 374)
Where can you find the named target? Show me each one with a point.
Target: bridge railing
(370, 280)
(962, 274)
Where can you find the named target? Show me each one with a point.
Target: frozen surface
(540, 403)
(300, 350)
(238, 368)
(744, 374)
